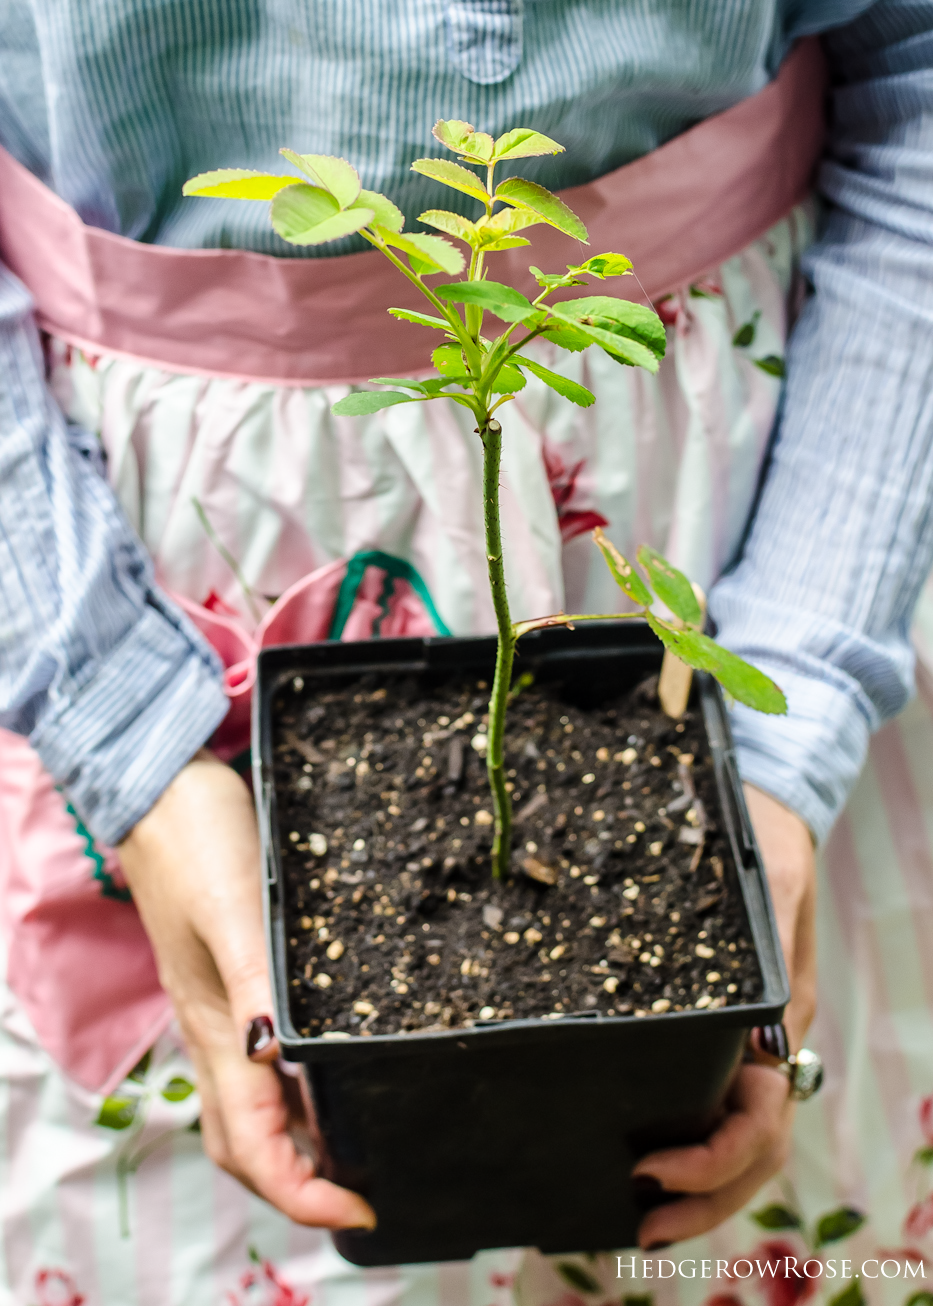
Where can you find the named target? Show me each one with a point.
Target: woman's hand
(752, 1143)
(193, 864)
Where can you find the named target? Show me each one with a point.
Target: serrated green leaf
(638, 1299)
(432, 254)
(924, 1155)
(462, 138)
(448, 359)
(504, 242)
(406, 382)
(921, 1298)
(623, 573)
(577, 394)
(420, 319)
(577, 1277)
(452, 132)
(436, 385)
(506, 222)
(617, 345)
(837, 1225)
(177, 1089)
(308, 215)
(498, 232)
(346, 223)
(523, 143)
(117, 1112)
(851, 1296)
(604, 265)
(671, 586)
(478, 147)
(743, 681)
(508, 304)
(773, 364)
(384, 211)
(529, 195)
(509, 380)
(776, 1217)
(238, 184)
(453, 224)
(619, 316)
(362, 402)
(337, 176)
(555, 280)
(565, 336)
(452, 174)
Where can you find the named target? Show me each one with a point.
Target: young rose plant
(323, 200)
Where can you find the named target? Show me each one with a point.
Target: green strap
(395, 569)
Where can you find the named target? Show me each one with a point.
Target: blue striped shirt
(115, 102)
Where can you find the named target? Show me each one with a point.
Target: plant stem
(491, 435)
(228, 558)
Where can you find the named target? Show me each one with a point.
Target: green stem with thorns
(491, 435)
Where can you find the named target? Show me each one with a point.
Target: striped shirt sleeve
(113, 686)
(842, 540)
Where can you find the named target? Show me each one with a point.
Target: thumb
(237, 944)
(229, 916)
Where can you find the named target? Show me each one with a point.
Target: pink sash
(676, 212)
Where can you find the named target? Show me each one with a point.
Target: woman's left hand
(719, 1176)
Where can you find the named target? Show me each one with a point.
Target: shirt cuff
(147, 709)
(810, 759)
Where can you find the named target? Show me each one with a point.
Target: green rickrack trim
(108, 889)
(395, 569)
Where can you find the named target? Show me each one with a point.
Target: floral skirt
(241, 490)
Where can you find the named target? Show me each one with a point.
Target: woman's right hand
(193, 865)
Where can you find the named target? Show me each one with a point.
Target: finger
(256, 1120)
(246, 1129)
(802, 1007)
(228, 916)
(758, 1116)
(695, 1215)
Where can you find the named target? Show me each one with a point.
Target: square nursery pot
(520, 1132)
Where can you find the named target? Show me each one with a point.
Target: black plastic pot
(521, 1132)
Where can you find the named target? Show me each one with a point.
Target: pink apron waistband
(677, 212)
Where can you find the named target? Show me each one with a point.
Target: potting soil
(622, 899)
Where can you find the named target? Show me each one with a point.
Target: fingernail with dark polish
(259, 1034)
(772, 1040)
(657, 1247)
(645, 1187)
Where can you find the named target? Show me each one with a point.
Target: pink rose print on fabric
(263, 1286)
(56, 1288)
(563, 483)
(772, 1260)
(723, 1299)
(926, 1119)
(668, 310)
(919, 1220)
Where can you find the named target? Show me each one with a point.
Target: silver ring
(804, 1073)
